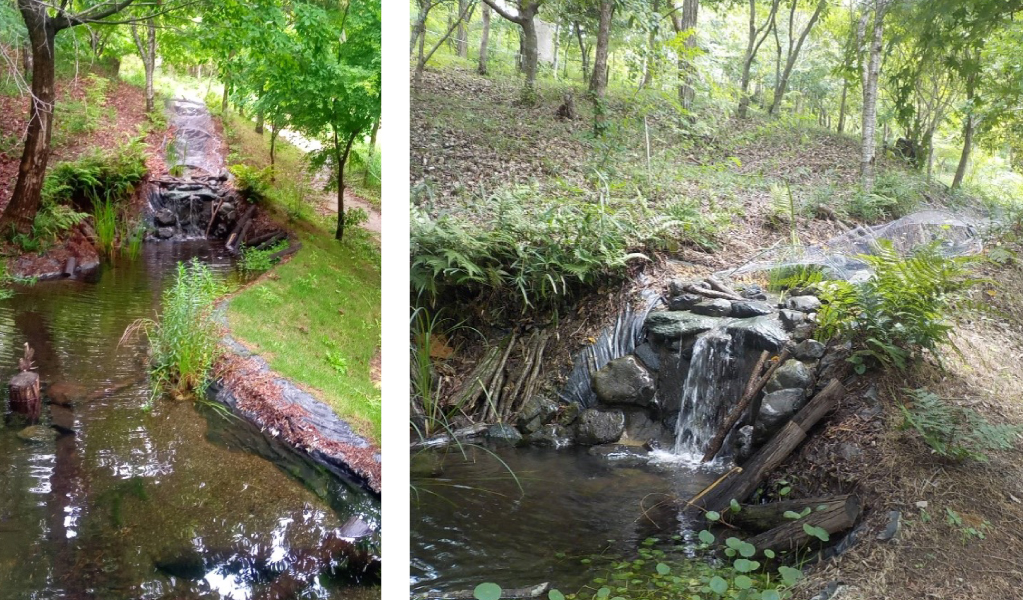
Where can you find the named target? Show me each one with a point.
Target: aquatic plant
(105, 215)
(184, 340)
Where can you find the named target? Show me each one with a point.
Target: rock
(790, 318)
(65, 394)
(641, 428)
(620, 454)
(848, 451)
(648, 356)
(892, 529)
(676, 287)
(715, 307)
(165, 233)
(742, 443)
(164, 218)
(804, 304)
(803, 331)
(677, 325)
(762, 333)
(808, 350)
(426, 464)
(791, 375)
(536, 412)
(567, 414)
(37, 434)
(684, 301)
(503, 434)
(551, 435)
(753, 292)
(775, 410)
(624, 381)
(834, 364)
(750, 308)
(599, 427)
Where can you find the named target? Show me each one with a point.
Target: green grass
(316, 318)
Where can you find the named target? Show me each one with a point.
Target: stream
(107, 499)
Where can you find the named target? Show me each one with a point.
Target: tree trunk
(227, 93)
(583, 52)
(260, 118)
(686, 68)
(342, 159)
(484, 41)
(26, 198)
(841, 108)
(964, 158)
(462, 34)
(872, 68)
(26, 57)
(757, 35)
(24, 395)
(793, 54)
(790, 536)
(419, 28)
(147, 52)
(372, 147)
(598, 82)
(557, 47)
(651, 44)
(765, 517)
(530, 55)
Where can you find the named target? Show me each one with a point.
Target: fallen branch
(716, 284)
(836, 517)
(709, 293)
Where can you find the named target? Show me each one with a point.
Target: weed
(955, 431)
(252, 183)
(105, 215)
(254, 260)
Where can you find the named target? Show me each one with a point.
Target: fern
(954, 431)
(903, 310)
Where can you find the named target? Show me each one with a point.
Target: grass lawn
(316, 318)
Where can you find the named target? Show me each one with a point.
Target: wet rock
(790, 319)
(762, 333)
(676, 325)
(165, 218)
(536, 412)
(165, 233)
(503, 434)
(717, 307)
(624, 381)
(641, 428)
(426, 464)
(808, 350)
(684, 301)
(648, 356)
(835, 364)
(599, 427)
(775, 410)
(567, 414)
(806, 304)
(753, 292)
(803, 331)
(551, 435)
(742, 443)
(65, 394)
(37, 434)
(791, 375)
(750, 308)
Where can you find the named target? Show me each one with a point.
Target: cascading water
(710, 388)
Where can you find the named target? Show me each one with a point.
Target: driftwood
(527, 592)
(759, 518)
(709, 293)
(465, 395)
(238, 233)
(266, 241)
(753, 387)
(738, 485)
(213, 217)
(835, 517)
(717, 284)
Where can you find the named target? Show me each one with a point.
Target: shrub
(955, 431)
(902, 310)
(253, 183)
(253, 260)
(97, 176)
(183, 341)
(54, 219)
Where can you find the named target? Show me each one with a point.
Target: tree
(871, 70)
(484, 41)
(527, 11)
(598, 81)
(44, 21)
(756, 37)
(685, 25)
(146, 45)
(793, 51)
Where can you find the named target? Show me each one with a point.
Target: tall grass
(183, 341)
(105, 215)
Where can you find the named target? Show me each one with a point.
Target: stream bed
(471, 523)
(109, 499)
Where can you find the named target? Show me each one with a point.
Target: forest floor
(470, 140)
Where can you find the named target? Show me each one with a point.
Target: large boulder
(677, 325)
(776, 410)
(762, 333)
(624, 381)
(716, 307)
(599, 427)
(750, 308)
(791, 375)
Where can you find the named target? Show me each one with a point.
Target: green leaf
(734, 506)
(769, 553)
(789, 514)
(816, 532)
(706, 537)
(663, 569)
(747, 549)
(743, 582)
(603, 592)
(713, 515)
(487, 591)
(734, 543)
(770, 595)
(789, 575)
(785, 491)
(555, 595)
(718, 585)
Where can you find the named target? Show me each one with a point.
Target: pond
(472, 523)
(109, 499)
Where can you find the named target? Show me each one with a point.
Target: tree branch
(507, 15)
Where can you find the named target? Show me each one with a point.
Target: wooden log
(740, 484)
(717, 284)
(25, 396)
(709, 293)
(534, 591)
(791, 536)
(753, 387)
(293, 248)
(759, 518)
(239, 230)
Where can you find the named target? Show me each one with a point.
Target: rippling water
(172, 502)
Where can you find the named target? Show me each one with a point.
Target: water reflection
(106, 500)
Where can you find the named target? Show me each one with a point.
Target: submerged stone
(37, 434)
(675, 325)
(624, 381)
(599, 427)
(551, 435)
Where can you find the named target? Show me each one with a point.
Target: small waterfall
(715, 381)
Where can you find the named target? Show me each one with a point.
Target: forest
(715, 299)
(190, 299)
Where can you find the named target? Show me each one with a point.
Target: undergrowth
(254, 260)
(953, 431)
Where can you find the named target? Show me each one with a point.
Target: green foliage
(955, 431)
(253, 183)
(256, 261)
(691, 222)
(98, 176)
(895, 194)
(184, 341)
(75, 118)
(52, 220)
(538, 250)
(787, 277)
(903, 310)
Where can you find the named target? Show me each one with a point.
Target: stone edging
(298, 419)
